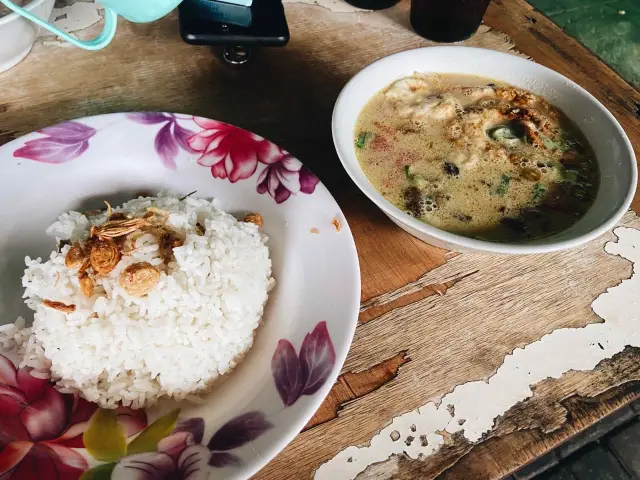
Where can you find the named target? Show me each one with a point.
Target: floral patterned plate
(307, 328)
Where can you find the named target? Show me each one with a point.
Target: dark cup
(372, 4)
(447, 20)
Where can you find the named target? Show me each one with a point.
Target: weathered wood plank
(353, 385)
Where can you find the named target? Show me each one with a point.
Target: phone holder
(237, 55)
(237, 29)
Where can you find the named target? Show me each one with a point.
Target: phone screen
(207, 22)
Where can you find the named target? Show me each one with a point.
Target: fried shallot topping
(104, 256)
(76, 256)
(253, 218)
(138, 279)
(63, 307)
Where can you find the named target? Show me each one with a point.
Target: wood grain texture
(353, 385)
(456, 322)
(463, 336)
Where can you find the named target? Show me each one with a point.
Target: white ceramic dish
(308, 324)
(612, 147)
(18, 34)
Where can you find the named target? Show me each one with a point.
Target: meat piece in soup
(476, 158)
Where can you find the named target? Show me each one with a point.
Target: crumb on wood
(314, 230)
(440, 289)
(336, 224)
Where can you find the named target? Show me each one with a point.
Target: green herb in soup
(476, 158)
(361, 141)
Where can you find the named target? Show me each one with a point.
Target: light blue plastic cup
(138, 11)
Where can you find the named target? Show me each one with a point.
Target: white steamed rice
(195, 325)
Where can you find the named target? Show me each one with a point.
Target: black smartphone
(207, 22)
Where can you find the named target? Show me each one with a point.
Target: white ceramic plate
(612, 147)
(308, 324)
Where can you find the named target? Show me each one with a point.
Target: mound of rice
(193, 326)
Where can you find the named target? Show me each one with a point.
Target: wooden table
(430, 320)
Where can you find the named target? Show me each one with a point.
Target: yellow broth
(475, 157)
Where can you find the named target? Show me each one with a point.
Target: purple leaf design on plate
(308, 181)
(194, 426)
(287, 372)
(224, 459)
(166, 146)
(49, 150)
(62, 143)
(182, 135)
(71, 132)
(317, 358)
(192, 464)
(144, 466)
(239, 430)
(148, 118)
(169, 139)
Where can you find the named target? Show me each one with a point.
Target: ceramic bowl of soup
(475, 150)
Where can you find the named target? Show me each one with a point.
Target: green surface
(609, 28)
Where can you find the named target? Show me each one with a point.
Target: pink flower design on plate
(231, 152)
(40, 427)
(286, 176)
(296, 375)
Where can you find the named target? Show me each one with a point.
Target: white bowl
(18, 34)
(612, 147)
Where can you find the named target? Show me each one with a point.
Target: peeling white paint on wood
(72, 18)
(473, 407)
